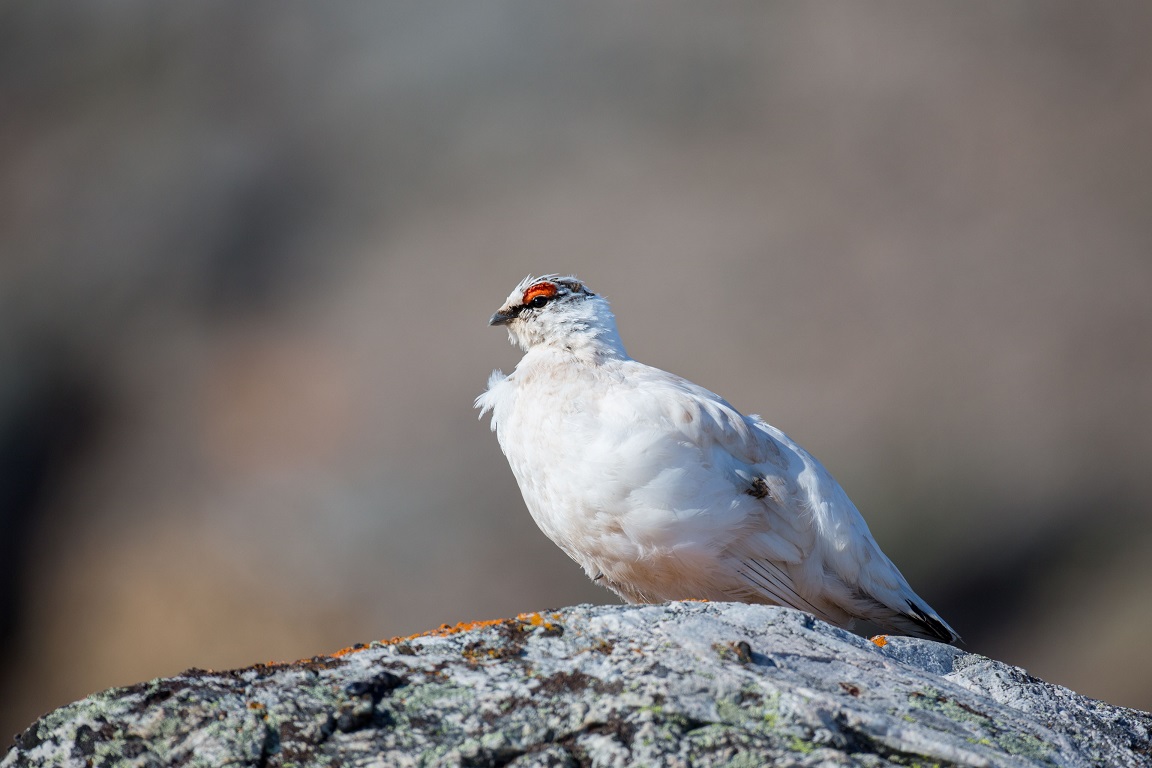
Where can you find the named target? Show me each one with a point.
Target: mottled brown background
(247, 254)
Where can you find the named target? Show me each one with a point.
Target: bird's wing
(757, 519)
(779, 519)
(853, 571)
(801, 540)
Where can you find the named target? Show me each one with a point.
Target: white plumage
(661, 490)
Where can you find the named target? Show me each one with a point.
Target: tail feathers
(921, 622)
(918, 620)
(931, 626)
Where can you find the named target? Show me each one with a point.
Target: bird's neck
(586, 346)
(586, 334)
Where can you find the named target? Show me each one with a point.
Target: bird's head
(560, 312)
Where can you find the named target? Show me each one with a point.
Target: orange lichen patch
(350, 649)
(536, 620)
(446, 630)
(550, 625)
(880, 640)
(540, 289)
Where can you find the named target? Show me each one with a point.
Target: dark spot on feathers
(759, 489)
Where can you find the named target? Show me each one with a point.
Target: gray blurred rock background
(248, 252)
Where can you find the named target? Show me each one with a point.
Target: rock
(682, 684)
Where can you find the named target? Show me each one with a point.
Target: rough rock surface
(683, 684)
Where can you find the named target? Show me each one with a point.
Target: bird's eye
(538, 302)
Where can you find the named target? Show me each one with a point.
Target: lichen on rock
(700, 684)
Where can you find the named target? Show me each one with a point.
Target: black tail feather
(933, 626)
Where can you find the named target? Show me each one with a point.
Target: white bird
(661, 490)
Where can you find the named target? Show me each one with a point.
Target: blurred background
(248, 253)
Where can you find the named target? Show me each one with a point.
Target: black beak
(504, 316)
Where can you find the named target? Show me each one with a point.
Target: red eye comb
(547, 290)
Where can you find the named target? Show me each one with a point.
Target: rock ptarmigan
(661, 490)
